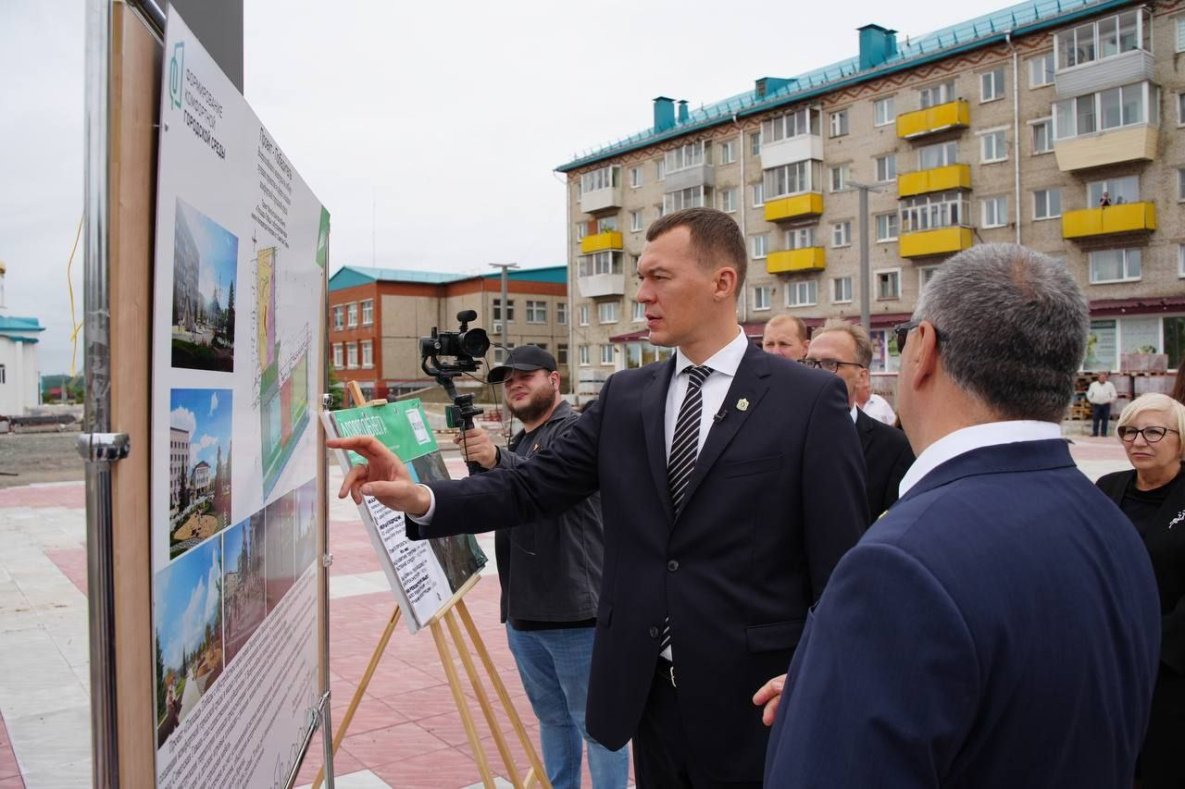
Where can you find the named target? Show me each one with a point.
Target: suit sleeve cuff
(426, 518)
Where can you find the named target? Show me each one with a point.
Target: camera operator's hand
(383, 476)
(477, 446)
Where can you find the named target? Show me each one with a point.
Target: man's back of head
(998, 335)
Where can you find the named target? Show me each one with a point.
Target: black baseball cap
(525, 358)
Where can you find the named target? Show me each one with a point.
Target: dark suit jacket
(887, 456)
(1166, 547)
(998, 628)
(775, 500)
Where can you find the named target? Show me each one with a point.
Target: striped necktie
(684, 451)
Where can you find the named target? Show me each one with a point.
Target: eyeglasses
(830, 365)
(1151, 434)
(902, 331)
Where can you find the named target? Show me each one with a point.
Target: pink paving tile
(427, 703)
(72, 563)
(71, 495)
(392, 744)
(394, 680)
(371, 714)
(9, 769)
(440, 770)
(12, 783)
(343, 763)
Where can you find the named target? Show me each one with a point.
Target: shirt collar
(854, 410)
(975, 437)
(726, 360)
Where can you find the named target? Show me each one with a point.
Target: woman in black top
(1152, 495)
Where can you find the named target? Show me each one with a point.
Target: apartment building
(376, 317)
(1057, 125)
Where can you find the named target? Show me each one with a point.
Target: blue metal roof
(353, 276)
(990, 28)
(10, 323)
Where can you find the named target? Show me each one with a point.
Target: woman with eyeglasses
(1152, 495)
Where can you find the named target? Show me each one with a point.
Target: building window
(605, 262)
(635, 221)
(841, 234)
(930, 211)
(606, 354)
(839, 123)
(1181, 183)
(561, 353)
(607, 225)
(1041, 70)
(993, 146)
(693, 154)
(839, 177)
(886, 168)
(1042, 136)
(352, 315)
(925, 275)
(802, 293)
(691, 197)
(601, 178)
(884, 112)
(582, 353)
(639, 312)
(1130, 105)
(583, 314)
(339, 318)
(940, 155)
(800, 238)
(760, 246)
(660, 170)
(1181, 260)
(888, 284)
(608, 312)
(509, 310)
(995, 211)
(886, 227)
(635, 177)
(561, 313)
(368, 353)
(934, 95)
(755, 143)
(758, 195)
(1113, 191)
(1047, 203)
(991, 85)
(581, 231)
(337, 355)
(791, 179)
(791, 125)
(728, 200)
(368, 312)
(1181, 108)
(761, 297)
(1114, 265)
(1180, 26)
(352, 355)
(1104, 38)
(728, 152)
(536, 311)
(841, 290)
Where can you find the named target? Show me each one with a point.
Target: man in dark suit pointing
(731, 484)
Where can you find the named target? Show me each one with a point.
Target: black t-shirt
(1141, 506)
(522, 448)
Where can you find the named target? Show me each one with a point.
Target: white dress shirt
(975, 437)
(724, 364)
(879, 409)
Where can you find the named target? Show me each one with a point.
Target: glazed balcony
(951, 115)
(938, 179)
(794, 207)
(1109, 220)
(600, 242)
(942, 241)
(791, 261)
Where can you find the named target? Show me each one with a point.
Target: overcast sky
(443, 120)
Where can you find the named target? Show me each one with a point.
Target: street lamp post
(865, 273)
(505, 311)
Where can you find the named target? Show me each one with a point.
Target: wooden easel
(448, 614)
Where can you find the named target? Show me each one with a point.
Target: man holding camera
(550, 572)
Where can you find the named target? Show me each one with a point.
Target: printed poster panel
(423, 574)
(240, 264)
(1101, 347)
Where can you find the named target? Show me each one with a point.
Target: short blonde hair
(800, 327)
(1154, 401)
(858, 335)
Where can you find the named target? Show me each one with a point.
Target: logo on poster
(176, 74)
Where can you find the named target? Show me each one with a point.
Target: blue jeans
(1100, 418)
(554, 666)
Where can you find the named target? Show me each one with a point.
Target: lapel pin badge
(743, 404)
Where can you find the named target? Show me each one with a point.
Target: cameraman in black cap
(550, 575)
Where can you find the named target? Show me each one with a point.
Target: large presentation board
(423, 575)
(237, 365)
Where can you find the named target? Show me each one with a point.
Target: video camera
(461, 346)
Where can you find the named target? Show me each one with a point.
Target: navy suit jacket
(776, 498)
(999, 627)
(887, 457)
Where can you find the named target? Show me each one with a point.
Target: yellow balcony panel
(796, 207)
(942, 241)
(1126, 218)
(599, 242)
(1111, 147)
(938, 179)
(792, 260)
(952, 115)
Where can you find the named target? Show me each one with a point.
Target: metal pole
(505, 312)
(865, 275)
(99, 447)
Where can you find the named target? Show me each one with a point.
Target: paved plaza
(407, 732)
